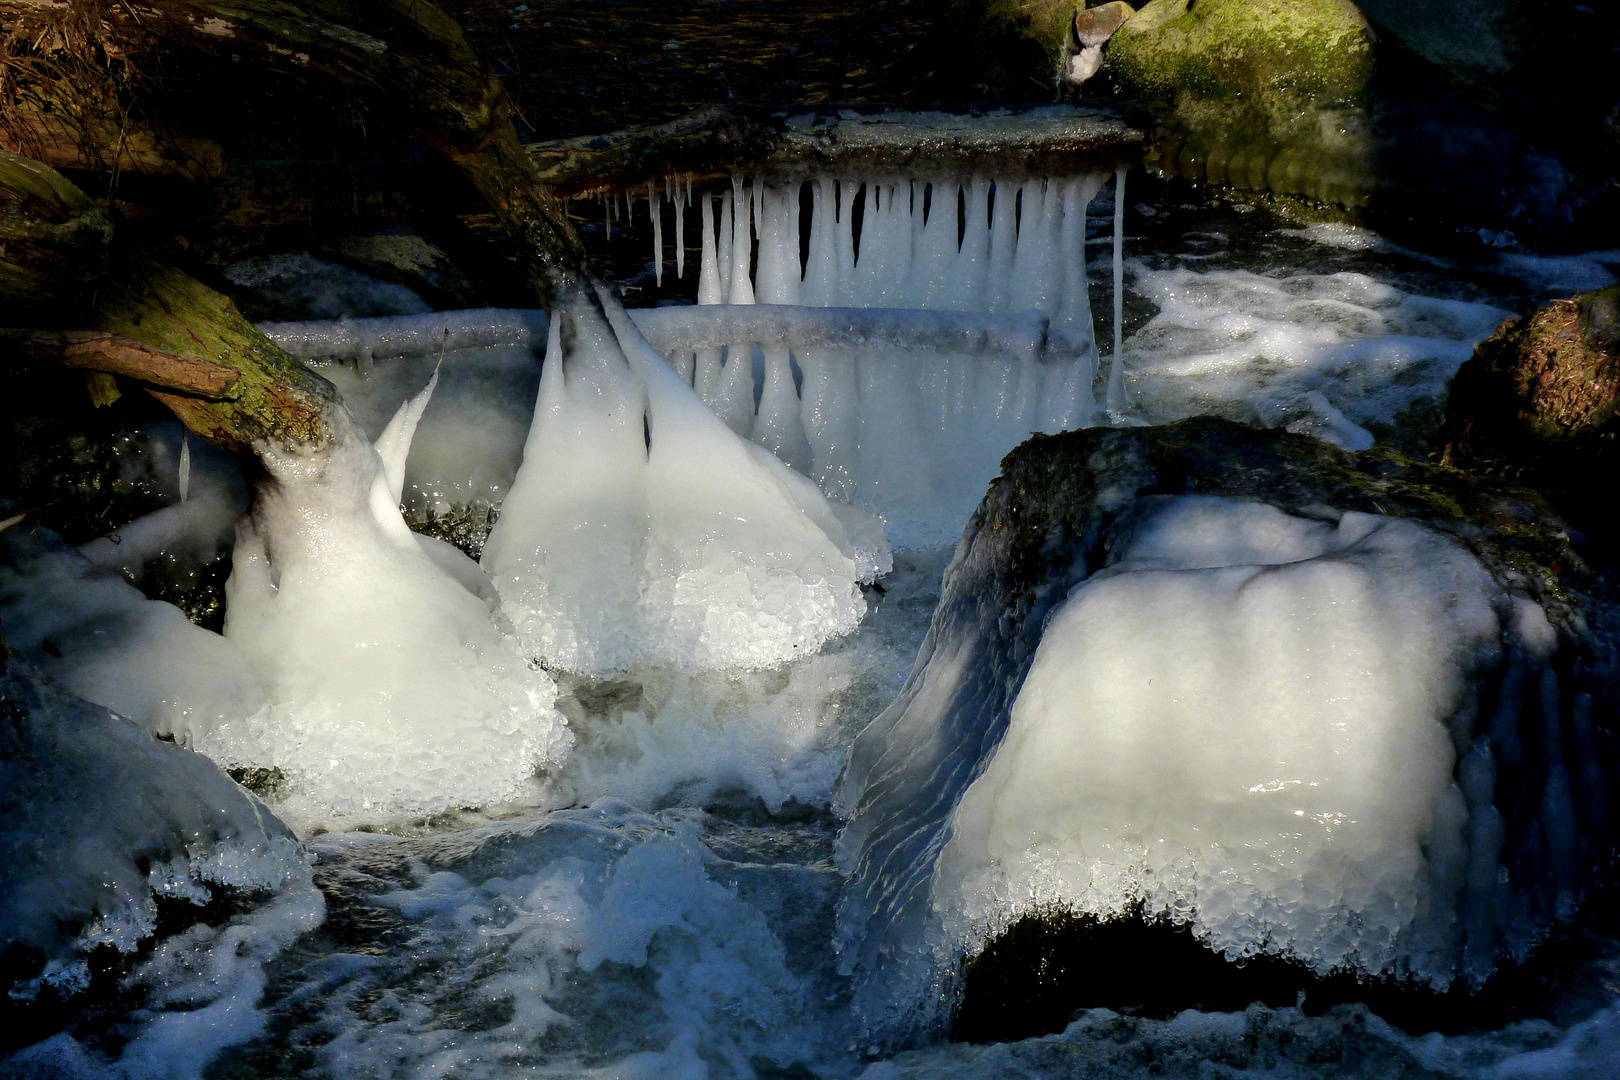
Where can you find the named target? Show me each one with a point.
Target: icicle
(844, 244)
(933, 269)
(778, 278)
(607, 216)
(710, 288)
(684, 361)
(394, 444)
(741, 289)
(973, 258)
(1003, 238)
(185, 465)
(655, 211)
(680, 231)
(777, 426)
(724, 243)
(821, 271)
(1116, 370)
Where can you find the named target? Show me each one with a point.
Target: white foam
(1254, 348)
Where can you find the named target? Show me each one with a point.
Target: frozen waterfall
(640, 529)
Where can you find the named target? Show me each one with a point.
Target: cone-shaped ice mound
(392, 691)
(641, 529)
(1340, 736)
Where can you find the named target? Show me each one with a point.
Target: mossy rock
(1266, 95)
(1267, 54)
(1538, 403)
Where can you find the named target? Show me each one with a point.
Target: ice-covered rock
(1350, 711)
(640, 529)
(100, 823)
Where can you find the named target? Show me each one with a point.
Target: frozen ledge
(669, 329)
(1053, 140)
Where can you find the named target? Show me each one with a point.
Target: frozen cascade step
(902, 413)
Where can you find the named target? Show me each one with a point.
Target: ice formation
(1242, 724)
(102, 821)
(391, 689)
(903, 413)
(991, 245)
(84, 624)
(1336, 738)
(641, 530)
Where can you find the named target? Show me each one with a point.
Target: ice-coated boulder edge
(1029, 762)
(102, 821)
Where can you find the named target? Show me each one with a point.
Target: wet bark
(134, 315)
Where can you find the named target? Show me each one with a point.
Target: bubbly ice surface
(391, 690)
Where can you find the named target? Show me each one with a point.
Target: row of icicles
(992, 254)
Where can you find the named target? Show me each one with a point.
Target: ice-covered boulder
(1350, 711)
(100, 822)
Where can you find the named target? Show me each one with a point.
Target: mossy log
(60, 258)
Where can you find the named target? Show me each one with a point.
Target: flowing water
(667, 905)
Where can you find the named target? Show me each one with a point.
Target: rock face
(1350, 711)
(1538, 402)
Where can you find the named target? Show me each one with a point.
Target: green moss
(1264, 95)
(1250, 50)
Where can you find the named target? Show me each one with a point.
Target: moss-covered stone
(1257, 94)
(1270, 54)
(1538, 402)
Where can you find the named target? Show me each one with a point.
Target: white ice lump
(1241, 725)
(640, 529)
(392, 690)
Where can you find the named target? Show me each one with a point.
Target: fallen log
(145, 319)
(92, 350)
(406, 59)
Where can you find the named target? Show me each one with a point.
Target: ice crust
(102, 821)
(641, 530)
(1242, 725)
